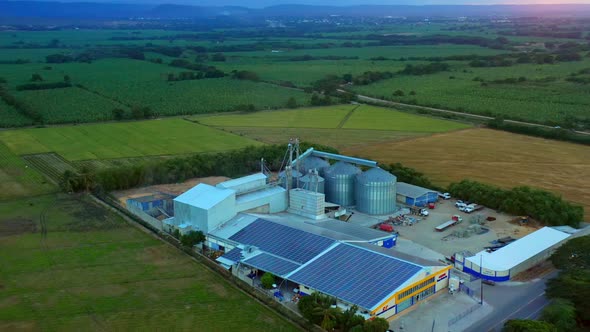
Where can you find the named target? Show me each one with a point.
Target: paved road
(524, 301)
(474, 116)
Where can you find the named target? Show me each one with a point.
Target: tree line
(232, 164)
(550, 133)
(569, 292)
(320, 309)
(525, 201)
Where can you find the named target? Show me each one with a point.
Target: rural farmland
(492, 157)
(69, 264)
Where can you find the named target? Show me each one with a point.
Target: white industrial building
(260, 226)
(516, 257)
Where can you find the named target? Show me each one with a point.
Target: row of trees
(20, 106)
(540, 205)
(551, 133)
(173, 170)
(569, 291)
(320, 309)
(136, 113)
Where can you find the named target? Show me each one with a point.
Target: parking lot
(458, 238)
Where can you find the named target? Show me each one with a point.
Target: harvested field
(493, 157)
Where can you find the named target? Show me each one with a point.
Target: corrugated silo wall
(339, 189)
(376, 197)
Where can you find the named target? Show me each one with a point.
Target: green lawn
(18, 180)
(123, 140)
(67, 264)
(378, 118)
(316, 117)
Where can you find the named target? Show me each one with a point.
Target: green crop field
(68, 264)
(378, 118)
(10, 117)
(123, 140)
(17, 179)
(341, 116)
(368, 52)
(317, 117)
(69, 105)
(532, 100)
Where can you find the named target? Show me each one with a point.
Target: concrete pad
(435, 313)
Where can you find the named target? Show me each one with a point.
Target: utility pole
(481, 278)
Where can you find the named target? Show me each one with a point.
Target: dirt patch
(100, 290)
(218, 289)
(17, 226)
(9, 301)
(174, 188)
(18, 326)
(157, 255)
(535, 272)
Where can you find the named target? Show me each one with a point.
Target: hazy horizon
(264, 3)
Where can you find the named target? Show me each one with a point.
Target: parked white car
(444, 195)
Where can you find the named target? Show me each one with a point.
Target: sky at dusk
(260, 3)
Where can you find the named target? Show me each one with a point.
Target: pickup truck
(472, 207)
(444, 195)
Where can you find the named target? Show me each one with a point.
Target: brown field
(493, 157)
(337, 138)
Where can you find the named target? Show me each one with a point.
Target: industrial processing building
(288, 228)
(412, 195)
(518, 256)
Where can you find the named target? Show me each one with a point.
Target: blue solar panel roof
(233, 255)
(356, 275)
(272, 264)
(293, 244)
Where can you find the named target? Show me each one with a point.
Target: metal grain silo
(313, 162)
(375, 192)
(340, 182)
(312, 182)
(294, 175)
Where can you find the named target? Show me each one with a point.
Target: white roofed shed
(518, 256)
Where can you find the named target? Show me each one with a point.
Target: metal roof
(290, 243)
(410, 190)
(375, 175)
(204, 196)
(341, 168)
(356, 275)
(229, 184)
(234, 255)
(252, 196)
(274, 264)
(520, 250)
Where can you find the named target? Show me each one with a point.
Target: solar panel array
(233, 255)
(355, 275)
(291, 243)
(272, 264)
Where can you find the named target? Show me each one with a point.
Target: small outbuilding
(412, 195)
(518, 256)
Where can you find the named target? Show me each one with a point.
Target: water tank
(375, 192)
(312, 183)
(313, 162)
(339, 183)
(294, 175)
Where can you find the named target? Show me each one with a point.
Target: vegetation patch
(89, 270)
(122, 140)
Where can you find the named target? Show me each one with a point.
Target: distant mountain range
(89, 10)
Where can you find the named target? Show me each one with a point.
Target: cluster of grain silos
(372, 192)
(375, 192)
(294, 176)
(339, 185)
